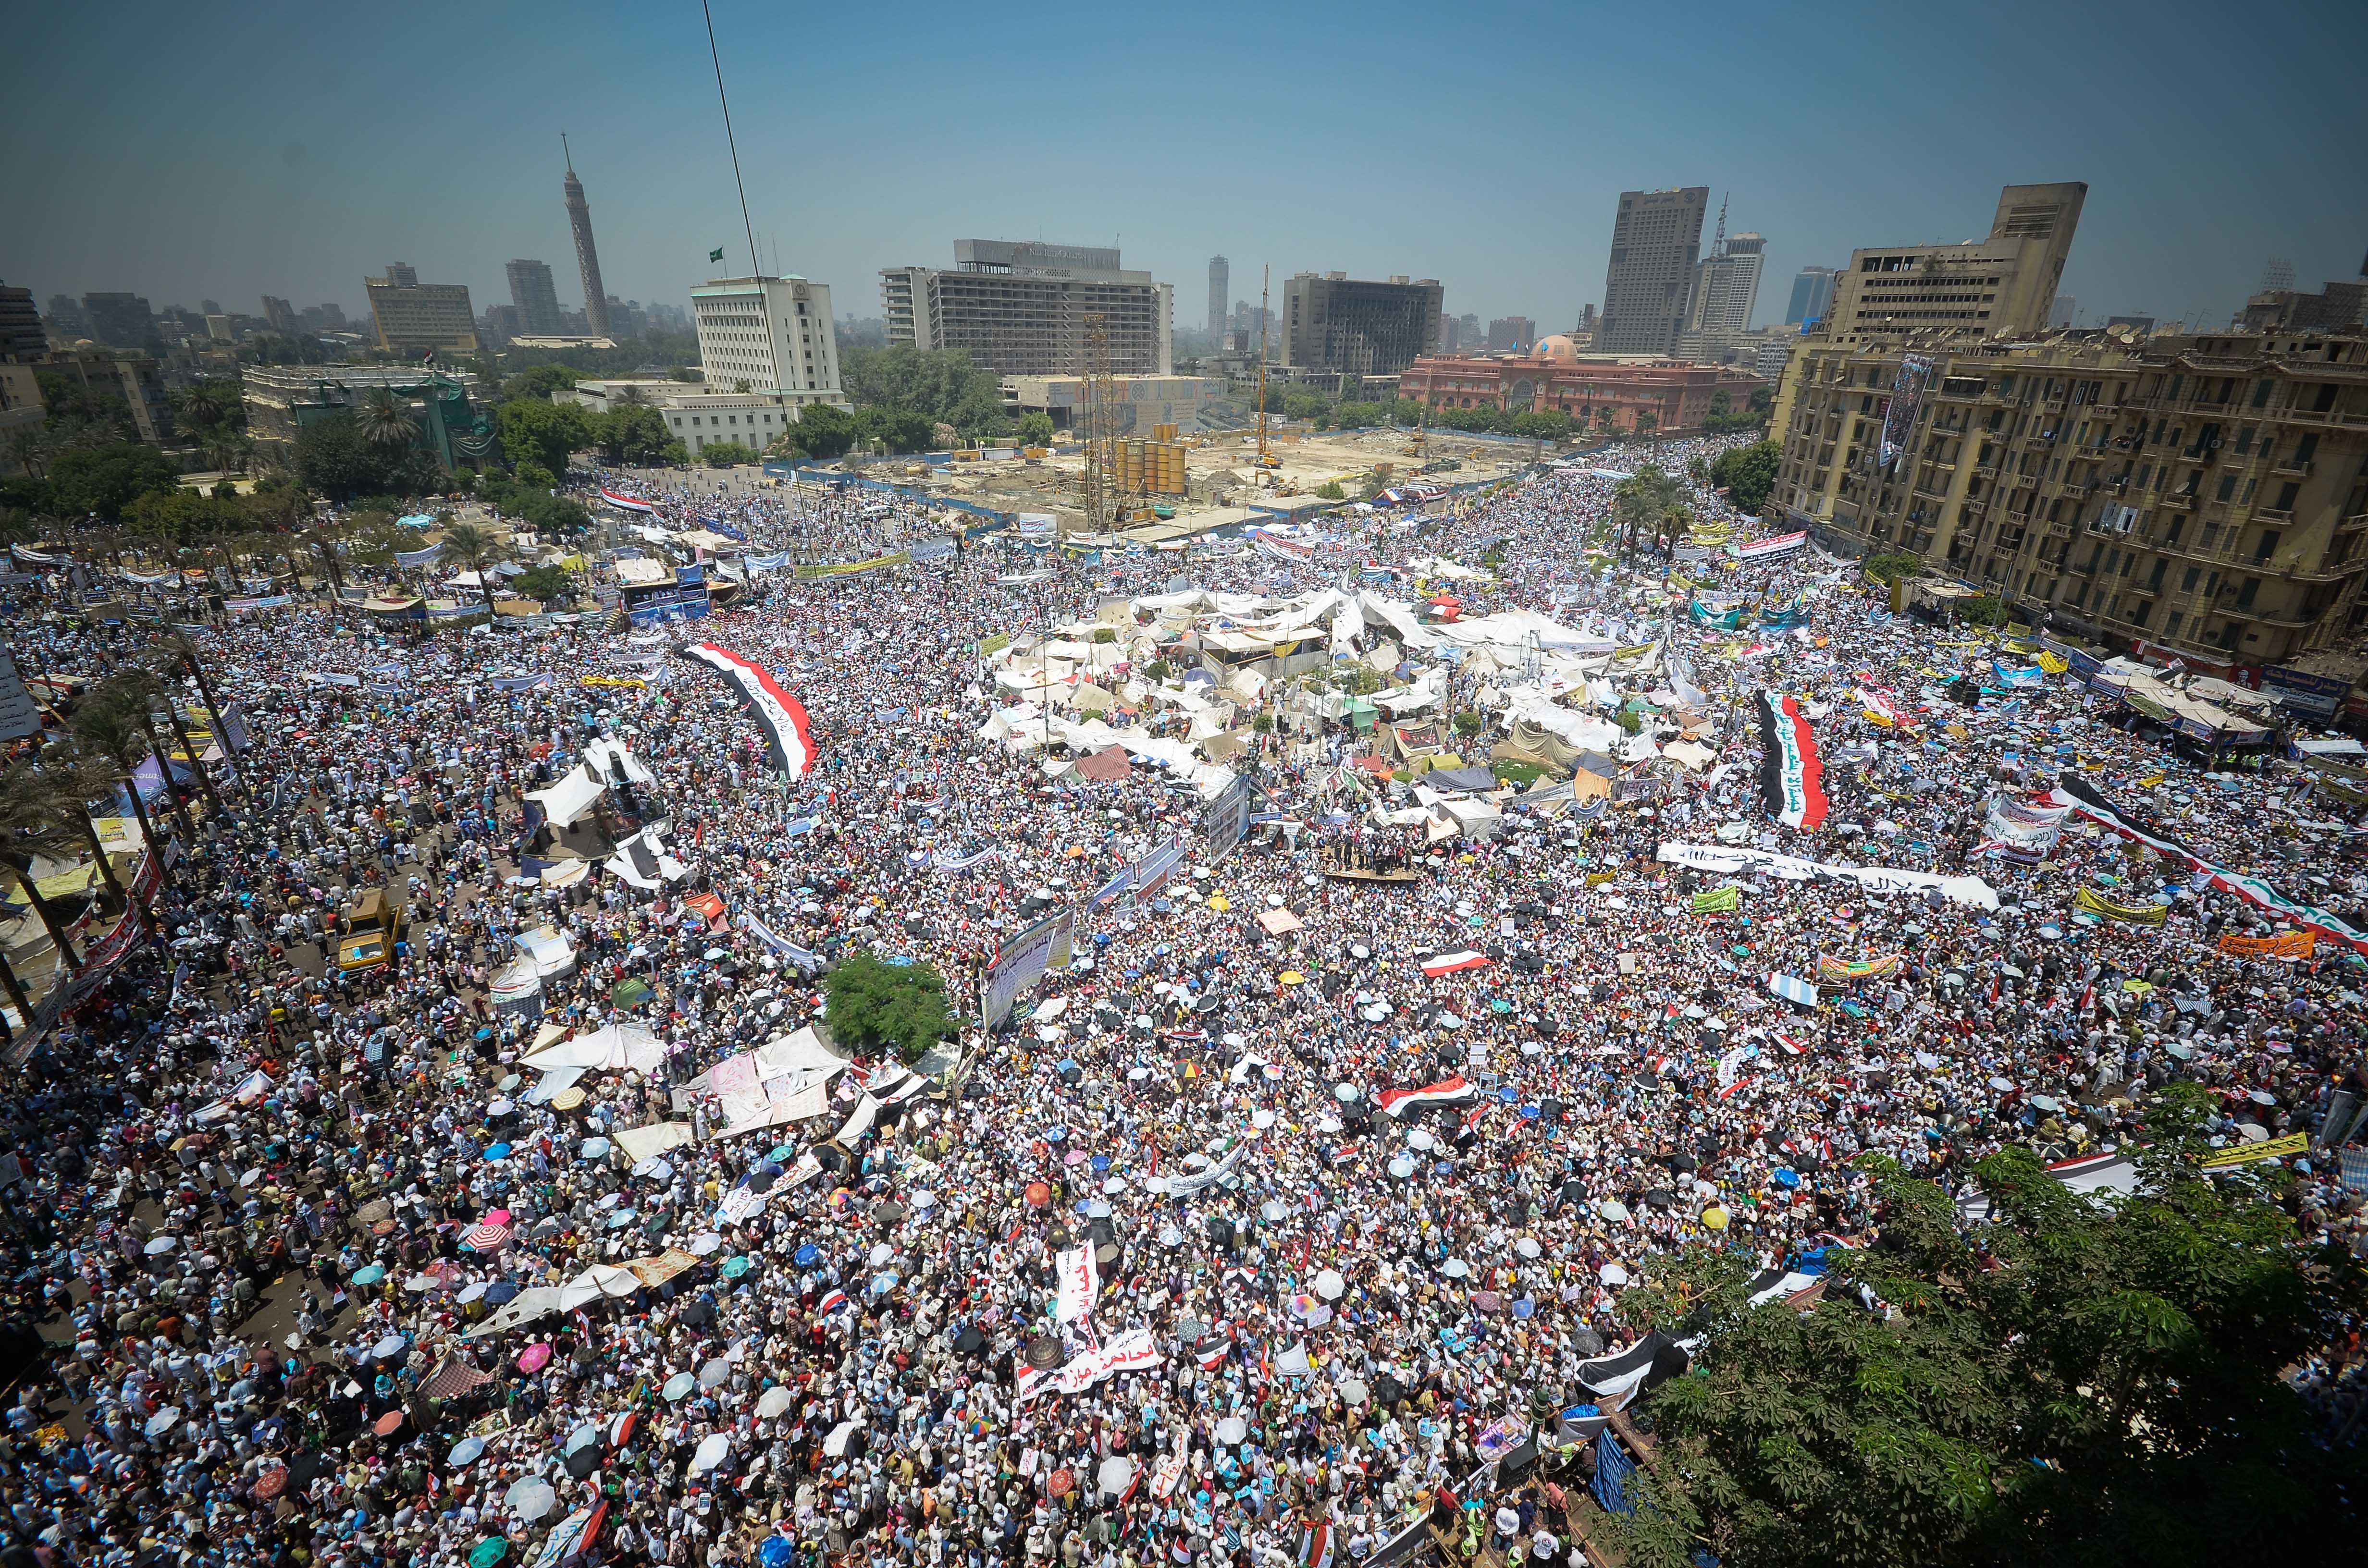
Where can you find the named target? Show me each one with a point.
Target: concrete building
(535, 296)
(20, 407)
(413, 317)
(697, 415)
(1655, 240)
(21, 337)
(2204, 496)
(2337, 307)
(64, 319)
(1189, 402)
(279, 316)
(1021, 308)
(1508, 334)
(1987, 288)
(134, 378)
(1604, 392)
(1813, 295)
(1725, 290)
(1332, 322)
(1769, 357)
(1221, 283)
(282, 400)
(771, 336)
(587, 255)
(2064, 311)
(119, 321)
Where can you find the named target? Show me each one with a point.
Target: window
(694, 421)
(2228, 487)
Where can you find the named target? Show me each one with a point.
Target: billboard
(1907, 402)
(1022, 962)
(1227, 818)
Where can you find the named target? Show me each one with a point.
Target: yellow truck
(372, 932)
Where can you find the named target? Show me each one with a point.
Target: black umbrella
(698, 1313)
(1660, 1200)
(887, 1213)
(762, 1181)
(1682, 1163)
(1587, 1342)
(584, 1461)
(969, 1342)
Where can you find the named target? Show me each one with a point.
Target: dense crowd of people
(276, 1218)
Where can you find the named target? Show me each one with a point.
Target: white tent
(616, 1049)
(533, 1302)
(600, 1280)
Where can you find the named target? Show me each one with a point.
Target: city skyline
(297, 200)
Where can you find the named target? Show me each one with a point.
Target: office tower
(1332, 322)
(1220, 290)
(776, 335)
(1018, 308)
(2063, 311)
(413, 318)
(1508, 333)
(1986, 287)
(1813, 295)
(119, 321)
(21, 337)
(1725, 288)
(536, 298)
(279, 314)
(588, 257)
(1655, 240)
(64, 317)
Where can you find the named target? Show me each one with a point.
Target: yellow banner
(2246, 1154)
(2051, 664)
(2292, 945)
(610, 680)
(2137, 914)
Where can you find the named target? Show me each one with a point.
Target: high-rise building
(1332, 322)
(65, 319)
(2337, 307)
(2062, 312)
(774, 336)
(587, 257)
(1020, 308)
(413, 317)
(1986, 287)
(1508, 333)
(21, 337)
(1221, 283)
(626, 318)
(1813, 295)
(279, 314)
(1655, 240)
(1726, 290)
(2189, 494)
(536, 298)
(119, 321)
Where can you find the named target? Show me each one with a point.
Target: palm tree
(156, 684)
(29, 817)
(119, 704)
(385, 420)
(187, 653)
(472, 548)
(112, 747)
(77, 781)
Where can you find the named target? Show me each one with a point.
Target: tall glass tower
(588, 257)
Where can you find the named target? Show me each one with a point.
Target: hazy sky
(230, 152)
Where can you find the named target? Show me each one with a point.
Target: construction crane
(1264, 460)
(1420, 445)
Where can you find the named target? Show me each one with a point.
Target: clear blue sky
(229, 151)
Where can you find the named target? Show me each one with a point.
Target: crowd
(279, 1224)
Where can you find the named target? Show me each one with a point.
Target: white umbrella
(1354, 1391)
(159, 1245)
(387, 1348)
(532, 1498)
(1116, 1474)
(1231, 1430)
(1329, 1285)
(774, 1401)
(715, 1374)
(1455, 1269)
(163, 1421)
(710, 1452)
(1612, 1209)
(1421, 1141)
(1612, 1274)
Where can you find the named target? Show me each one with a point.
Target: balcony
(2178, 503)
(2280, 516)
(2293, 468)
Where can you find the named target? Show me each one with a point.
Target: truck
(372, 932)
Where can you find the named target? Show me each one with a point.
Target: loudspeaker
(1517, 1466)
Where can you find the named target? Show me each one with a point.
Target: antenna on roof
(1718, 241)
(569, 156)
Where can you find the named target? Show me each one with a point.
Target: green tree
(471, 549)
(821, 431)
(386, 422)
(875, 1007)
(1301, 403)
(937, 383)
(899, 429)
(547, 583)
(1330, 491)
(107, 479)
(334, 461)
(726, 454)
(2079, 1383)
(1889, 567)
(541, 432)
(1359, 415)
(539, 382)
(181, 518)
(1469, 724)
(630, 433)
(1036, 428)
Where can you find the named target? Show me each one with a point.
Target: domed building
(1558, 346)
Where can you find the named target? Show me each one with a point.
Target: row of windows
(721, 418)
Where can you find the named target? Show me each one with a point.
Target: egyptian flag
(782, 717)
(1616, 1379)
(1448, 964)
(624, 503)
(1791, 778)
(1212, 1349)
(1315, 1550)
(830, 1303)
(1447, 1091)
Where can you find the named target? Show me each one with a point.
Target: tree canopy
(876, 1006)
(939, 384)
(107, 479)
(334, 462)
(2079, 1383)
(1748, 473)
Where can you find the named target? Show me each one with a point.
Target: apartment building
(2203, 495)
(1992, 287)
(415, 318)
(1024, 308)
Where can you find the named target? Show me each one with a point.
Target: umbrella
(465, 1453)
(534, 1357)
(388, 1349)
(710, 1452)
(163, 1421)
(678, 1387)
(1527, 1246)
(1329, 1285)
(704, 1243)
(1354, 1392)
(778, 1551)
(1402, 1168)
(774, 1401)
(1116, 1474)
(716, 1373)
(484, 1237)
(532, 1498)
(159, 1245)
(806, 1254)
(583, 1461)
(488, 1551)
(594, 1148)
(1612, 1274)
(969, 1342)
(1455, 1269)
(1231, 1430)
(1612, 1209)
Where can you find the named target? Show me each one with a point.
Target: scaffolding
(1098, 420)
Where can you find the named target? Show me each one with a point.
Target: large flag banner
(1447, 1091)
(1732, 862)
(2290, 945)
(1022, 962)
(2074, 792)
(2097, 903)
(2017, 824)
(1718, 901)
(779, 715)
(625, 503)
(1448, 964)
(1792, 779)
(1079, 1280)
